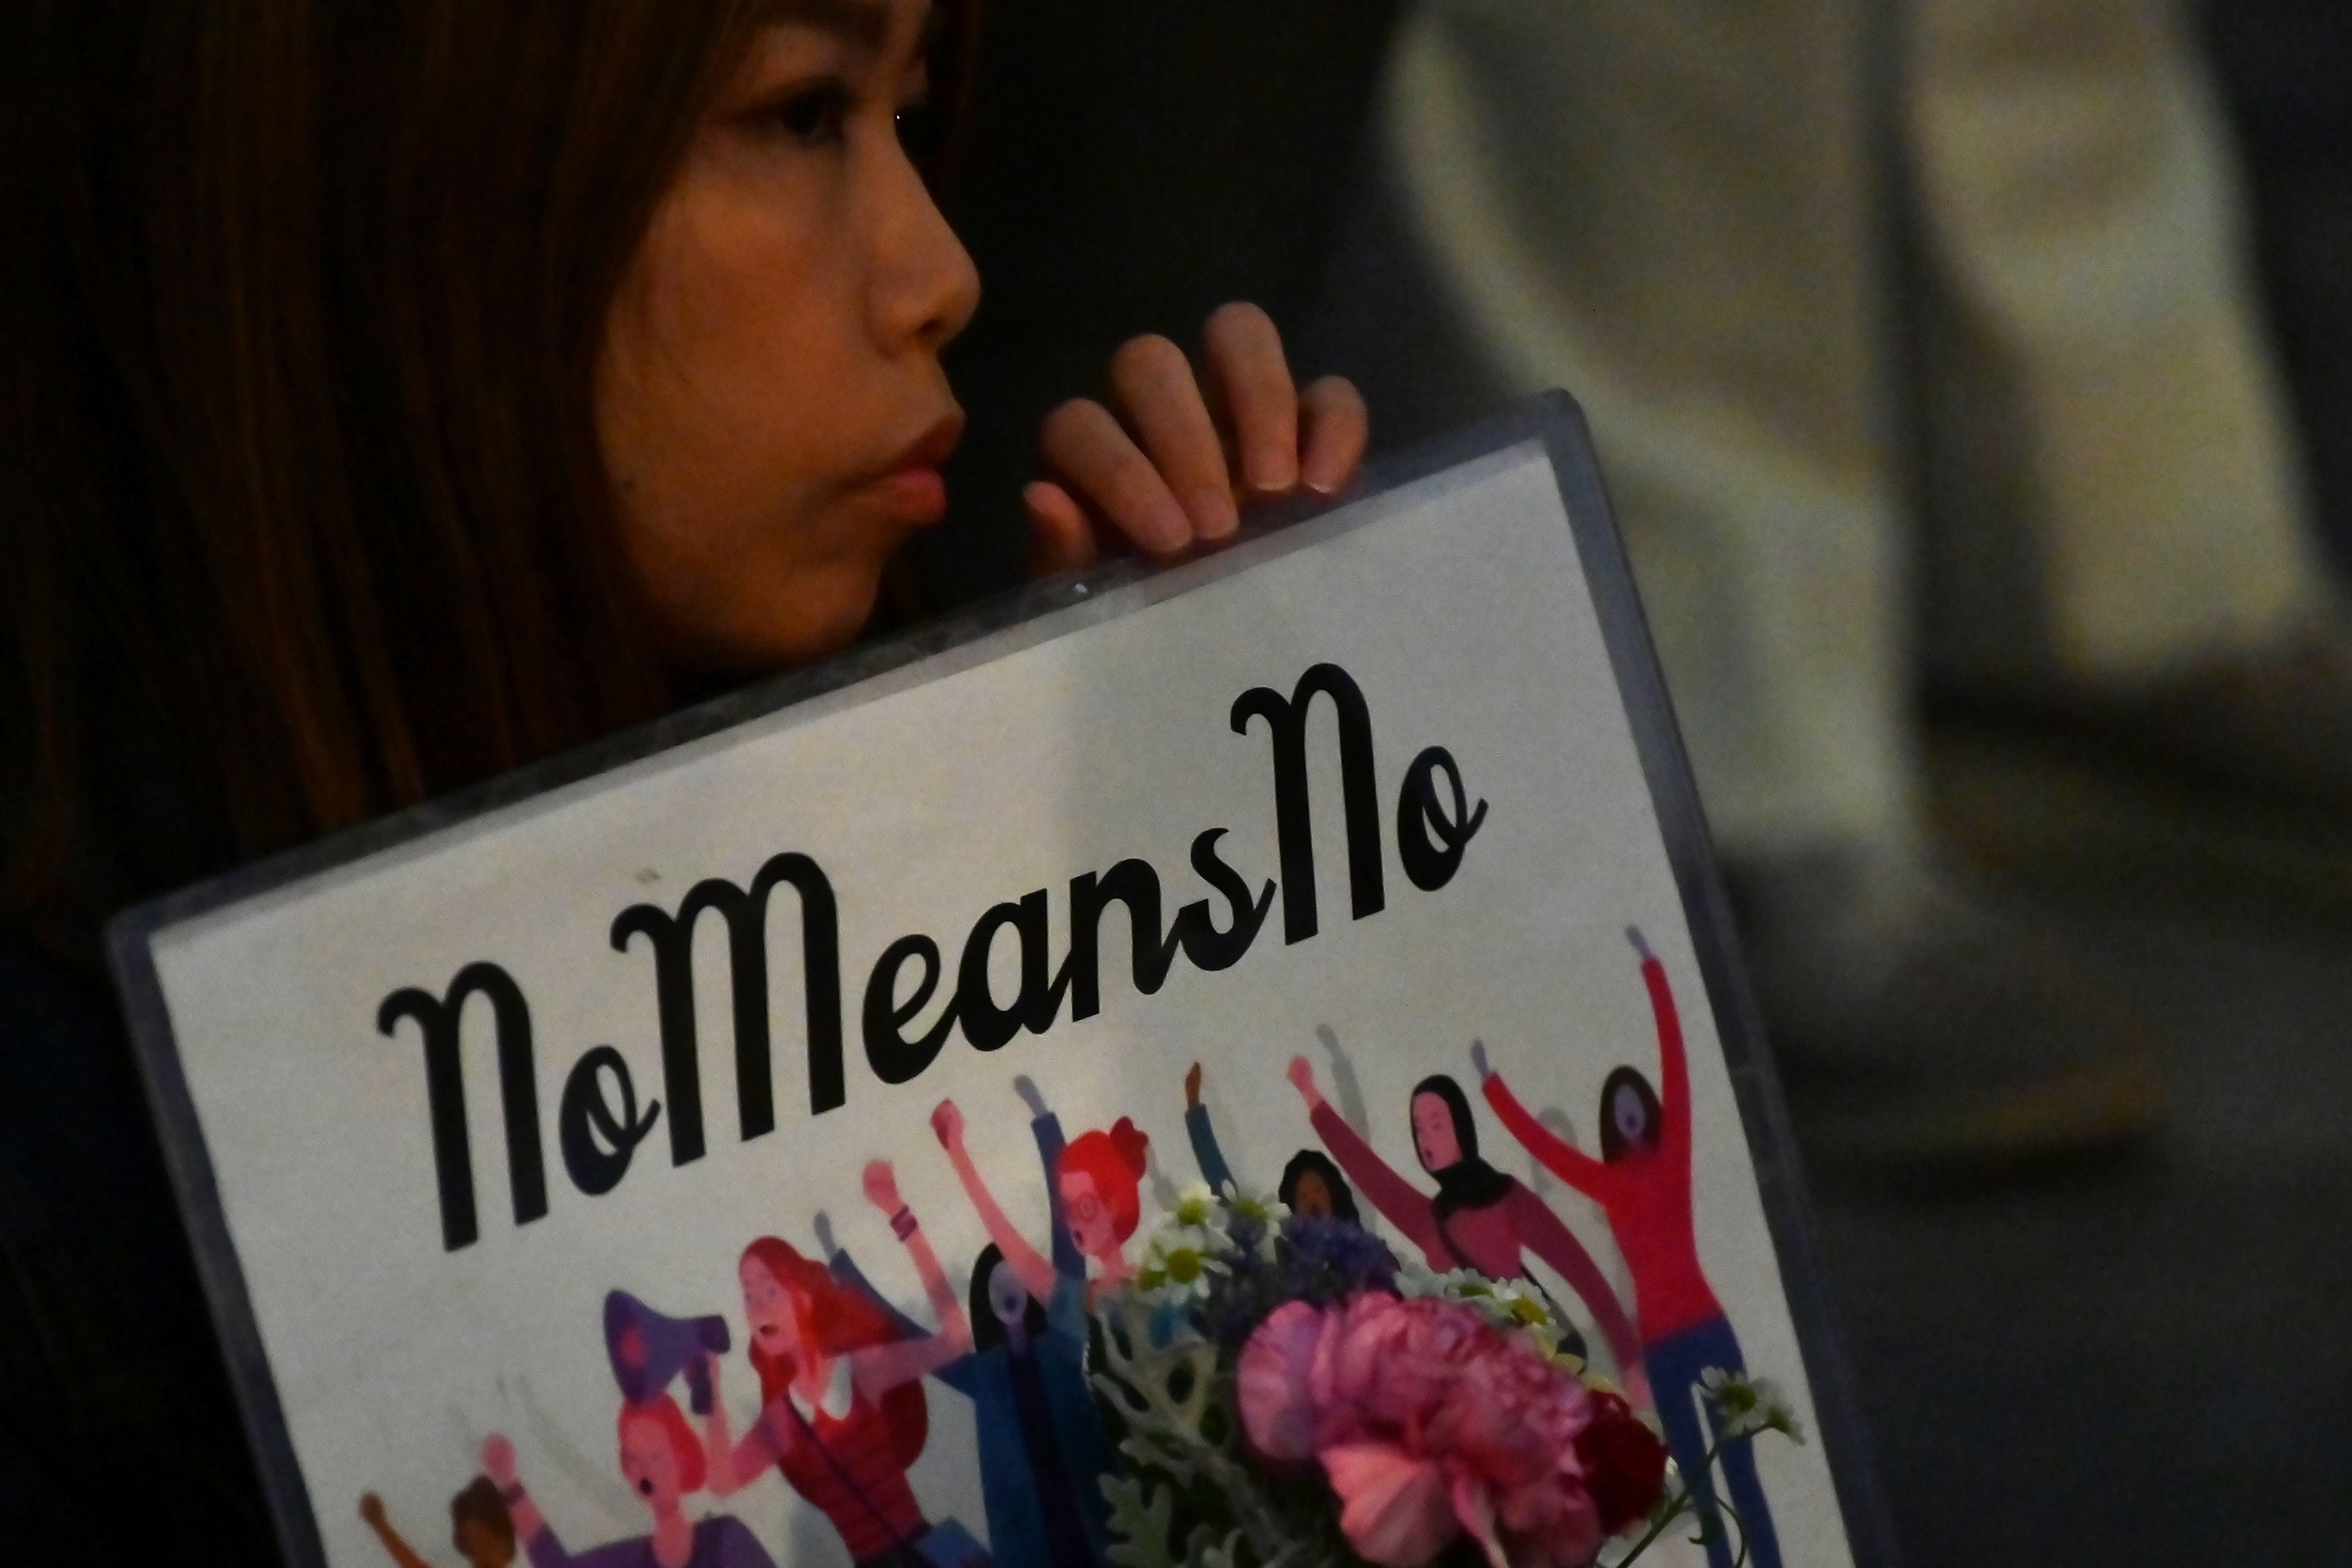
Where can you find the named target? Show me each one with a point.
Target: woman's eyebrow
(864, 22)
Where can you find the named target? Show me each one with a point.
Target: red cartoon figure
(663, 1463)
(1642, 1179)
(842, 1413)
(1480, 1217)
(1094, 1193)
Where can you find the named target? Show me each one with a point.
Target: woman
(842, 1412)
(1042, 1451)
(479, 1527)
(1480, 1218)
(1311, 1184)
(662, 1464)
(1095, 1192)
(1642, 1181)
(401, 392)
(1041, 1447)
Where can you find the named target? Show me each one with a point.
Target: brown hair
(301, 514)
(483, 1503)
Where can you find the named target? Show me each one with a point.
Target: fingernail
(1170, 526)
(1325, 477)
(1214, 514)
(1271, 471)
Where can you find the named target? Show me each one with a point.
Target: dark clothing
(126, 1442)
(719, 1543)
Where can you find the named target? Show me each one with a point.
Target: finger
(1101, 466)
(1060, 537)
(1253, 384)
(1162, 402)
(1336, 429)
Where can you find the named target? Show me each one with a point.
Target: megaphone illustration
(649, 1348)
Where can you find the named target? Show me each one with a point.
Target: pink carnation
(1428, 1421)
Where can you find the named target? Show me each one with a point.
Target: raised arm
(1035, 1272)
(1673, 1063)
(1541, 1232)
(880, 1368)
(372, 1510)
(1398, 1201)
(1205, 1153)
(1046, 1128)
(530, 1527)
(1572, 1165)
(732, 1466)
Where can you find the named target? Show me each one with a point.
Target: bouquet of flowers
(1288, 1395)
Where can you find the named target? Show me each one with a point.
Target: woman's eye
(813, 115)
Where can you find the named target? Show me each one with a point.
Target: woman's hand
(1174, 465)
(947, 1121)
(498, 1461)
(1301, 1074)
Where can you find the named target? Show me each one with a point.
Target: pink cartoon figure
(663, 1465)
(1642, 1181)
(1094, 1190)
(1479, 1217)
(842, 1409)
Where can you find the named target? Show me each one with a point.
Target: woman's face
(1433, 1132)
(771, 1310)
(1089, 1216)
(1007, 1297)
(769, 397)
(1309, 1195)
(649, 1463)
(481, 1545)
(1632, 1117)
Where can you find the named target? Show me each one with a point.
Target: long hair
(302, 516)
(987, 1328)
(1613, 1144)
(837, 1319)
(1317, 1163)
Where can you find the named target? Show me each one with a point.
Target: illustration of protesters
(1480, 1218)
(1042, 1452)
(1311, 1184)
(479, 1527)
(1095, 1193)
(1642, 1182)
(842, 1413)
(663, 1463)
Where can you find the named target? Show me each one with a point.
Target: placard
(491, 1117)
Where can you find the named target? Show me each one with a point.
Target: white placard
(386, 1321)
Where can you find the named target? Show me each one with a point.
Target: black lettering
(440, 1020)
(986, 1024)
(1204, 945)
(893, 1058)
(1430, 840)
(1135, 884)
(597, 1143)
(746, 914)
(1285, 722)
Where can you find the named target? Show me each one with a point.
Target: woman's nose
(925, 285)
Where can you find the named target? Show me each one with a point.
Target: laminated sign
(1239, 1066)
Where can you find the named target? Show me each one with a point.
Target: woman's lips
(912, 488)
